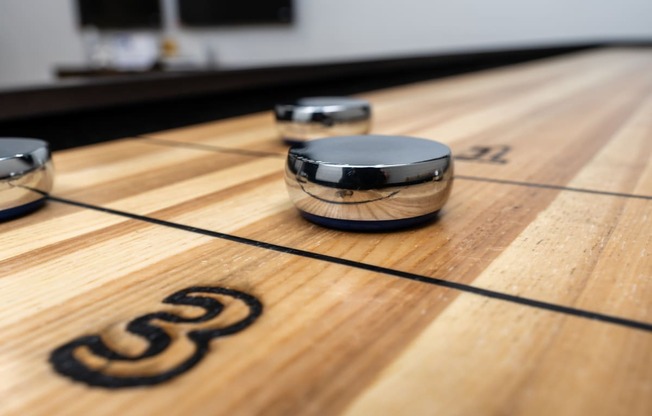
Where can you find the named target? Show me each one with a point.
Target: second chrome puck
(316, 117)
(369, 183)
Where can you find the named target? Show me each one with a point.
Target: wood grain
(530, 295)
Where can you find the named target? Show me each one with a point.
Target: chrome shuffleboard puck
(315, 117)
(369, 183)
(26, 175)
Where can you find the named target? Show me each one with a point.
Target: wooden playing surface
(530, 295)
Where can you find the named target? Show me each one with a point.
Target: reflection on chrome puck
(369, 183)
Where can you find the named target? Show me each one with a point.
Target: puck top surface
(371, 151)
(20, 156)
(339, 102)
(320, 109)
(369, 162)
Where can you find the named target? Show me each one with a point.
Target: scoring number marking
(486, 154)
(159, 346)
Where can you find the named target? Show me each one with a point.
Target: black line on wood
(210, 148)
(245, 152)
(581, 313)
(553, 187)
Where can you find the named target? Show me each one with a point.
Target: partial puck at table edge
(26, 176)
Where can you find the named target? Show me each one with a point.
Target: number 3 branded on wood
(88, 359)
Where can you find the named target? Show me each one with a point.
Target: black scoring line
(554, 187)
(210, 148)
(254, 153)
(372, 268)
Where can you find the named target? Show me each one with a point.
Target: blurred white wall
(34, 36)
(37, 35)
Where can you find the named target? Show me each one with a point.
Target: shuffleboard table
(170, 274)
